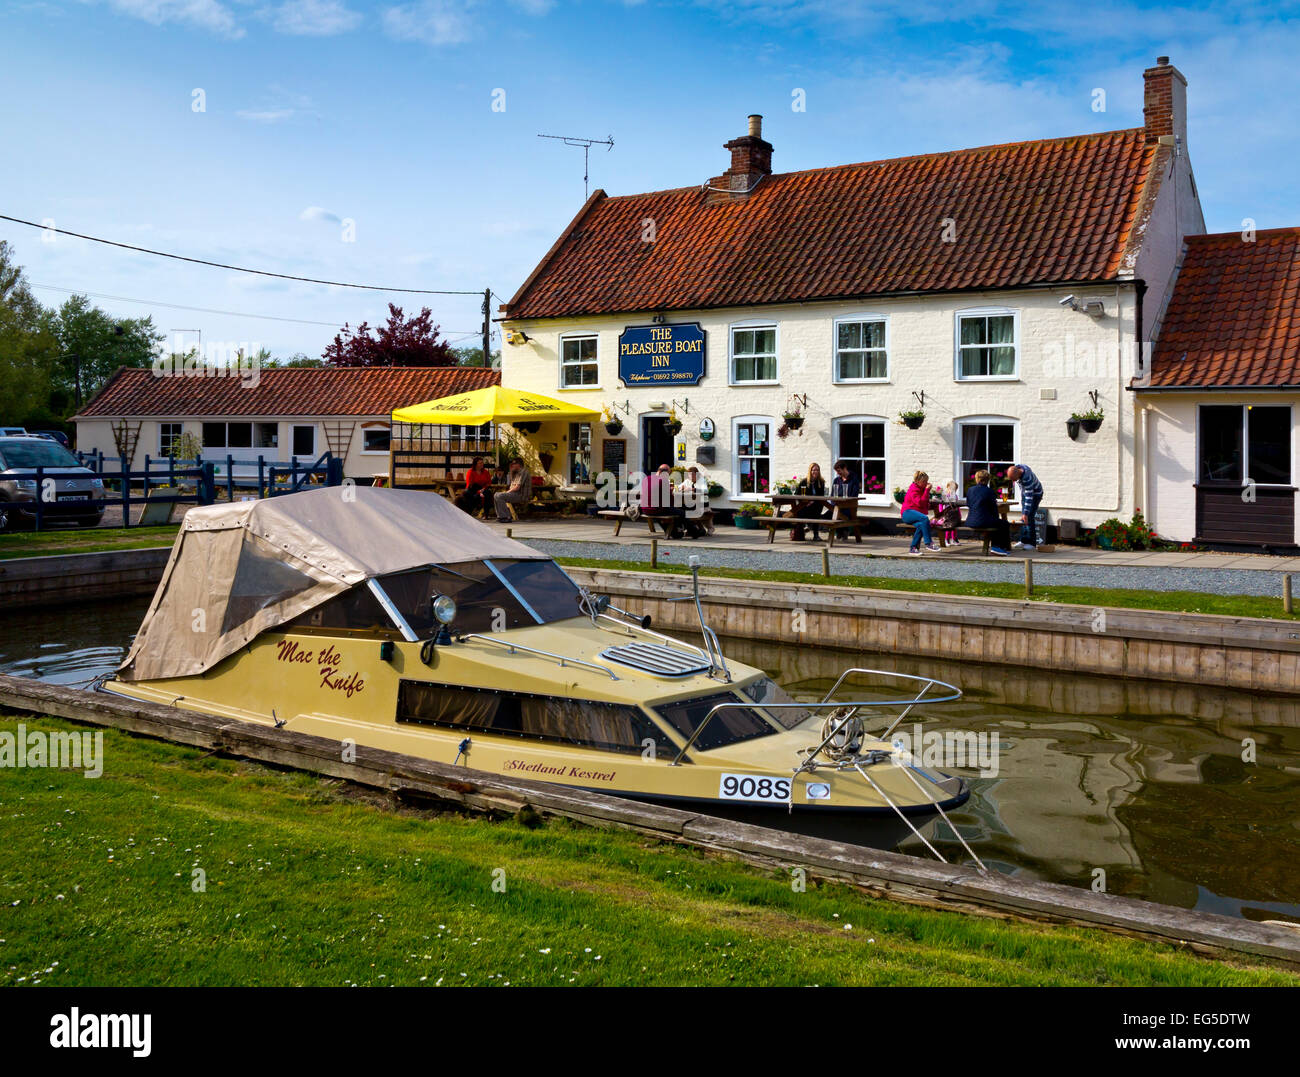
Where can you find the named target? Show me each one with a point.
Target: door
(656, 443)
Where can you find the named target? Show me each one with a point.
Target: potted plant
(674, 424)
(715, 488)
(899, 494)
(1090, 420)
(613, 424)
(794, 416)
(744, 518)
(912, 418)
(1113, 534)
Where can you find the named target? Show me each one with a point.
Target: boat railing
(564, 660)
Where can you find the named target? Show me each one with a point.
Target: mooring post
(1286, 592)
(826, 562)
(654, 553)
(1029, 577)
(510, 532)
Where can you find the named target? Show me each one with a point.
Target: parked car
(77, 492)
(52, 435)
(11, 431)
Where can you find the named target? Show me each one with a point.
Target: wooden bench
(831, 527)
(667, 521)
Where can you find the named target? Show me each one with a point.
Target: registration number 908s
(754, 787)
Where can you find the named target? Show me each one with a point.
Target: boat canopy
(238, 570)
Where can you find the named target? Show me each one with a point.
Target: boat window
(725, 727)
(356, 610)
(612, 727)
(544, 586)
(766, 690)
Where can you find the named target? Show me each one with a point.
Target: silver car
(71, 494)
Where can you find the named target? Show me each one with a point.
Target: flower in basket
(899, 494)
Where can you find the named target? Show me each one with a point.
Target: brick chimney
(1165, 102)
(751, 160)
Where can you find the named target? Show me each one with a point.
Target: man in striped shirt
(1031, 496)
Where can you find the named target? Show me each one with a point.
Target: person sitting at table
(695, 499)
(982, 512)
(812, 486)
(845, 483)
(518, 491)
(916, 510)
(477, 481)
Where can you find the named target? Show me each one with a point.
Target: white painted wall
(1062, 350)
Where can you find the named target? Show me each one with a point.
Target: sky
(395, 144)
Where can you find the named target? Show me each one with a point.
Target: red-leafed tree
(402, 342)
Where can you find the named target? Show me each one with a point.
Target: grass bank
(306, 882)
(1177, 601)
(90, 540)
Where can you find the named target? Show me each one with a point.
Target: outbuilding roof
(1233, 320)
(290, 391)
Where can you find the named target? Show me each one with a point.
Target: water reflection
(1144, 781)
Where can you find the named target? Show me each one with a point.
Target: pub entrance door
(656, 443)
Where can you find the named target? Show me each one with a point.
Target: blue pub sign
(650, 355)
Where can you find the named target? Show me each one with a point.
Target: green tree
(93, 344)
(474, 357)
(28, 352)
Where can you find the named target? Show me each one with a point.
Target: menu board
(613, 454)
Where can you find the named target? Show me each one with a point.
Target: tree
(297, 359)
(474, 357)
(28, 352)
(93, 344)
(402, 342)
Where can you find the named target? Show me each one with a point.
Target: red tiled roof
(305, 391)
(1234, 316)
(1058, 210)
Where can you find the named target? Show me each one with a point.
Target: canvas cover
(239, 569)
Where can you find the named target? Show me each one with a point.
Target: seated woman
(695, 499)
(477, 480)
(982, 512)
(813, 486)
(916, 510)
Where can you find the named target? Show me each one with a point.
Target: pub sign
(661, 355)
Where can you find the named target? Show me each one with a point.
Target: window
(168, 434)
(225, 436)
(725, 727)
(861, 350)
(986, 445)
(1259, 435)
(304, 441)
(577, 472)
(613, 727)
(578, 365)
(753, 354)
(753, 456)
(376, 439)
(861, 443)
(986, 344)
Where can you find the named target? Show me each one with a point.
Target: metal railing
(562, 659)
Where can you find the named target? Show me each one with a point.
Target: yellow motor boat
(391, 618)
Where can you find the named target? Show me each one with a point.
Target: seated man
(982, 514)
(695, 499)
(518, 491)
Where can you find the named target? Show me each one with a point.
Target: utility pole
(487, 327)
(586, 144)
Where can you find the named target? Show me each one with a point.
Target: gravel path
(1215, 581)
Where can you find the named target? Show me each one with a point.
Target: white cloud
(312, 18)
(432, 22)
(277, 106)
(319, 213)
(203, 14)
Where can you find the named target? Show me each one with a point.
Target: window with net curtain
(987, 446)
(987, 345)
(753, 354)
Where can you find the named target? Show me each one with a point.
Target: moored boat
(392, 619)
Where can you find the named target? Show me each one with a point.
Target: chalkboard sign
(613, 454)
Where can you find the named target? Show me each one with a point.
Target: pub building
(992, 293)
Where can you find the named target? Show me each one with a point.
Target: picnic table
(1004, 510)
(843, 517)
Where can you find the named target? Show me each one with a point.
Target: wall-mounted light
(1094, 308)
(517, 337)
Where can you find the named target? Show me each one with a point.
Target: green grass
(307, 883)
(88, 540)
(1178, 601)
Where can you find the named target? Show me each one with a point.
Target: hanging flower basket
(1089, 420)
(673, 426)
(793, 420)
(912, 419)
(616, 427)
(1090, 426)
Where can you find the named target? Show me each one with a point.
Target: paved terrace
(886, 555)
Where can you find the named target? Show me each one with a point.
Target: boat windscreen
(726, 727)
(766, 690)
(490, 596)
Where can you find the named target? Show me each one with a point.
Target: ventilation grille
(657, 659)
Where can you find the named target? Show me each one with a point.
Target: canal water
(1140, 787)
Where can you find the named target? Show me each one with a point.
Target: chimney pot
(756, 125)
(1163, 61)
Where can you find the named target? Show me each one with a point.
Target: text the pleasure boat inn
(999, 291)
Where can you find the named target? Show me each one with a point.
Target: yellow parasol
(495, 404)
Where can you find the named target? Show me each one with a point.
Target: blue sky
(317, 111)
